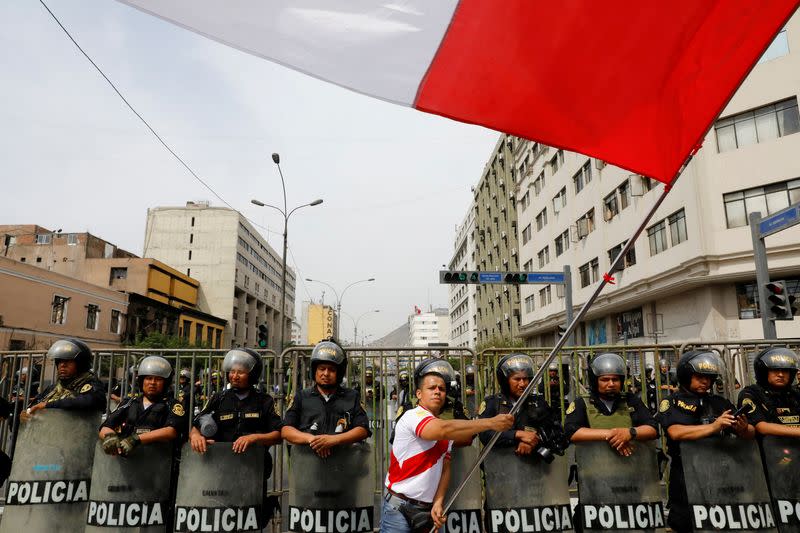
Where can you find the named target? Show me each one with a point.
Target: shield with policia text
(616, 492)
(526, 493)
(334, 494)
(48, 488)
(465, 513)
(725, 485)
(781, 457)
(131, 493)
(220, 490)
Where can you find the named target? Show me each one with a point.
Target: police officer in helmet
(326, 414)
(774, 404)
(693, 412)
(402, 394)
(77, 388)
(609, 414)
(153, 416)
(534, 424)
(555, 384)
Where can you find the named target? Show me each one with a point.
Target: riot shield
(334, 494)
(220, 490)
(526, 493)
(48, 488)
(464, 515)
(725, 485)
(131, 493)
(781, 461)
(617, 492)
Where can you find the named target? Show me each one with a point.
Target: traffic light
(781, 303)
(516, 277)
(262, 336)
(447, 276)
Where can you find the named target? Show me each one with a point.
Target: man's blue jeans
(392, 520)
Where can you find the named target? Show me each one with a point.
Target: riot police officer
(652, 390)
(153, 416)
(774, 405)
(691, 413)
(401, 395)
(241, 414)
(326, 414)
(669, 382)
(77, 387)
(557, 401)
(536, 426)
(608, 414)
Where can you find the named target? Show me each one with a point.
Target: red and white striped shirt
(416, 464)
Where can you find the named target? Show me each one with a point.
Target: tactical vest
(781, 407)
(61, 392)
(620, 418)
(322, 418)
(139, 420)
(236, 418)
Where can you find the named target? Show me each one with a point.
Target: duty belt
(392, 495)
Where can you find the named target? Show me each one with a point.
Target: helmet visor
(517, 363)
(238, 360)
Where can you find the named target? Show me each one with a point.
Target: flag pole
(607, 278)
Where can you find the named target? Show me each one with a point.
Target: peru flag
(634, 83)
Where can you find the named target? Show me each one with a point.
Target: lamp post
(339, 297)
(357, 320)
(276, 158)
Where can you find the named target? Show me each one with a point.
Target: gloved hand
(110, 444)
(127, 445)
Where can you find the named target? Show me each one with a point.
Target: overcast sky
(395, 181)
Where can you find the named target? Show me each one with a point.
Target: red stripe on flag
(636, 84)
(416, 464)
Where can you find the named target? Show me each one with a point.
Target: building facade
(318, 322)
(238, 271)
(691, 274)
(463, 298)
(429, 329)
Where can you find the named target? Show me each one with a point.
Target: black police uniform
(310, 412)
(84, 392)
(6, 410)
(132, 417)
(235, 417)
(776, 407)
(536, 415)
(577, 416)
(687, 409)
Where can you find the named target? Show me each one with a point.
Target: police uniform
(688, 409)
(776, 407)
(132, 417)
(590, 412)
(84, 392)
(342, 411)
(536, 414)
(235, 417)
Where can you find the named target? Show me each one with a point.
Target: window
(528, 266)
(778, 48)
(192, 221)
(624, 191)
(758, 125)
(594, 267)
(583, 274)
(187, 326)
(589, 272)
(544, 256)
(115, 322)
(767, 200)
(526, 200)
(190, 255)
(677, 227)
(545, 296)
(582, 177)
(610, 206)
(118, 273)
(72, 239)
(191, 238)
(541, 220)
(627, 261)
(59, 311)
(198, 334)
(526, 234)
(538, 183)
(529, 304)
(560, 200)
(92, 316)
(557, 161)
(747, 297)
(562, 243)
(44, 238)
(585, 224)
(657, 234)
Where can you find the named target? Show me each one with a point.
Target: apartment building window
(59, 309)
(115, 321)
(192, 221)
(585, 224)
(528, 266)
(610, 206)
(557, 161)
(544, 256)
(538, 183)
(190, 255)
(198, 333)
(187, 326)
(541, 220)
(582, 177)
(118, 273)
(758, 125)
(677, 227)
(560, 200)
(246, 281)
(778, 48)
(767, 200)
(589, 272)
(191, 238)
(72, 239)
(525, 201)
(624, 191)
(627, 261)
(545, 296)
(529, 304)
(594, 267)
(562, 243)
(92, 316)
(657, 234)
(44, 238)
(526, 234)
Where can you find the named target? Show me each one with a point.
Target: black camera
(551, 443)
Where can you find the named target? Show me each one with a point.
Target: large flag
(634, 83)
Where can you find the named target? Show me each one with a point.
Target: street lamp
(355, 323)
(286, 214)
(339, 298)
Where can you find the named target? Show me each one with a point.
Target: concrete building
(429, 329)
(297, 338)
(38, 307)
(494, 236)
(318, 322)
(239, 272)
(463, 298)
(691, 274)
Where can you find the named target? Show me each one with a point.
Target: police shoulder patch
(400, 411)
(750, 405)
(86, 388)
(178, 410)
(571, 408)
(663, 407)
(482, 408)
(289, 404)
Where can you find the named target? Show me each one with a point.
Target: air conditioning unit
(494, 195)
(583, 228)
(505, 262)
(503, 235)
(599, 164)
(497, 294)
(505, 316)
(514, 252)
(500, 183)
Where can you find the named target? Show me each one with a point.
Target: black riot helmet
(606, 364)
(71, 350)
(154, 365)
(470, 372)
(703, 362)
(437, 367)
(246, 359)
(775, 359)
(511, 364)
(329, 351)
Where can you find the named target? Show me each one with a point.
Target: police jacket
(235, 417)
(310, 412)
(82, 393)
(535, 415)
(590, 412)
(776, 407)
(132, 417)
